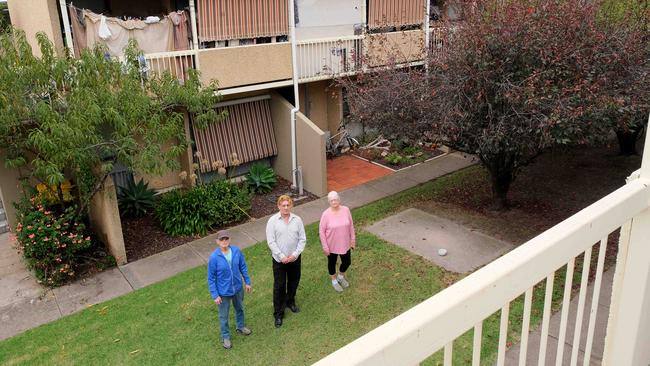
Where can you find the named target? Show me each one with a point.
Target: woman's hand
(353, 244)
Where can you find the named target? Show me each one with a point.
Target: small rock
(384, 153)
(442, 252)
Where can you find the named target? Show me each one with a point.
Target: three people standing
(285, 235)
(337, 238)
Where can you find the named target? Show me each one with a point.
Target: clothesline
(153, 34)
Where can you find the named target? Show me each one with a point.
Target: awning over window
(247, 131)
(219, 20)
(393, 13)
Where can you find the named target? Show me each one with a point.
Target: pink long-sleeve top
(336, 230)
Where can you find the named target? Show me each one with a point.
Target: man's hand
(218, 300)
(249, 288)
(285, 260)
(290, 259)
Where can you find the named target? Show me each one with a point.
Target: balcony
(573, 249)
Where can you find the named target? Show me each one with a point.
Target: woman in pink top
(337, 238)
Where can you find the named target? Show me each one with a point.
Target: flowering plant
(50, 240)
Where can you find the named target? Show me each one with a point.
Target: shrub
(201, 208)
(261, 179)
(50, 241)
(394, 158)
(135, 199)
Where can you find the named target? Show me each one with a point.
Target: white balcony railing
(326, 58)
(439, 321)
(437, 41)
(177, 63)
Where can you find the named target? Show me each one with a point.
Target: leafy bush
(394, 158)
(411, 150)
(261, 179)
(201, 208)
(50, 241)
(136, 198)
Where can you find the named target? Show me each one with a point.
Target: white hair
(333, 195)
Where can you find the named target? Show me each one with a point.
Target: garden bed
(143, 237)
(396, 159)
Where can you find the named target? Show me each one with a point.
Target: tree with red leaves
(517, 78)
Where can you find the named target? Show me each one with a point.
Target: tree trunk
(501, 171)
(500, 185)
(627, 141)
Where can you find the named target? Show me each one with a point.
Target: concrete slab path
(24, 304)
(424, 234)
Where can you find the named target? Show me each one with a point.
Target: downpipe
(296, 95)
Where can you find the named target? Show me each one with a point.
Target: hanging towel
(103, 32)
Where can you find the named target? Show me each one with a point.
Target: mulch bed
(375, 156)
(143, 237)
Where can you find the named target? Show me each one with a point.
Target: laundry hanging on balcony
(219, 20)
(153, 34)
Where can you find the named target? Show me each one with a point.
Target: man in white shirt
(285, 235)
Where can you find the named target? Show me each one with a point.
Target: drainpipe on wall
(66, 26)
(296, 108)
(427, 36)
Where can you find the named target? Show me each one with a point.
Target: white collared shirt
(285, 238)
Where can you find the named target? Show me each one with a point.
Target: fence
(177, 63)
(325, 58)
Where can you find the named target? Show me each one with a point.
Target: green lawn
(175, 321)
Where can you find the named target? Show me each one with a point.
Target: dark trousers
(286, 278)
(346, 260)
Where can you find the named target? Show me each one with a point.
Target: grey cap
(222, 234)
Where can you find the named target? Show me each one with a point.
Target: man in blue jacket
(226, 267)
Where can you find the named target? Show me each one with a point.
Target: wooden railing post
(628, 329)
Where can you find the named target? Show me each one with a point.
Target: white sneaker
(337, 287)
(342, 281)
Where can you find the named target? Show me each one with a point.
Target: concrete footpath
(24, 304)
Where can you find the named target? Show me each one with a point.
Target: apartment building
(261, 53)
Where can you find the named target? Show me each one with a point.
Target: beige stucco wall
(281, 116)
(33, 16)
(407, 46)
(321, 103)
(167, 180)
(334, 107)
(310, 146)
(311, 155)
(9, 190)
(105, 219)
(236, 66)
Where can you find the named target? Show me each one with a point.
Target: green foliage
(261, 179)
(81, 115)
(394, 158)
(411, 150)
(50, 241)
(195, 211)
(136, 198)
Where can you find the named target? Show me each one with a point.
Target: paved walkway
(347, 171)
(424, 234)
(25, 305)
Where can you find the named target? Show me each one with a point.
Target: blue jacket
(225, 280)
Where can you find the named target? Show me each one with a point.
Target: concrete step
(3, 214)
(4, 227)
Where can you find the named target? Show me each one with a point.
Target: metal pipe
(427, 35)
(66, 26)
(296, 95)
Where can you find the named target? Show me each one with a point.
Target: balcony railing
(326, 58)
(177, 63)
(438, 322)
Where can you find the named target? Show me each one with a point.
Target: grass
(175, 321)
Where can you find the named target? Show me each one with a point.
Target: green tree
(62, 117)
